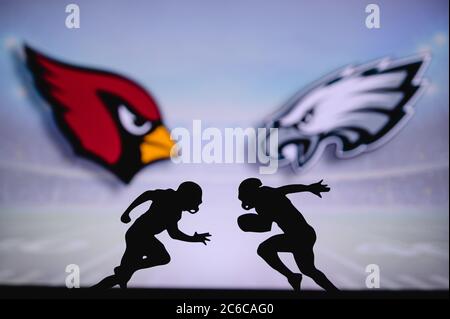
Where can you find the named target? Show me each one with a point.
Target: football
(249, 222)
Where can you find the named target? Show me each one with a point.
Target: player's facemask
(247, 200)
(192, 206)
(193, 210)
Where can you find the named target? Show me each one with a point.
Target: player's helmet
(247, 190)
(190, 196)
(250, 184)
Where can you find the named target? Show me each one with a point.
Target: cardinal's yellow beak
(156, 145)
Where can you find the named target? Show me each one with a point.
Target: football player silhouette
(272, 205)
(143, 250)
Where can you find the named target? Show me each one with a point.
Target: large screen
(102, 101)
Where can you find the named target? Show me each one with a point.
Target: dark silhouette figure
(272, 205)
(143, 250)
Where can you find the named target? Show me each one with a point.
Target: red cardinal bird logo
(105, 116)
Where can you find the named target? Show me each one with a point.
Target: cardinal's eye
(131, 123)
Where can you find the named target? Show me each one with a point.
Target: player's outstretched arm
(294, 188)
(176, 233)
(316, 188)
(145, 196)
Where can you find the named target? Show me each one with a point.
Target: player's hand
(125, 218)
(201, 238)
(318, 188)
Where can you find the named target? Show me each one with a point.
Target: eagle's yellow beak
(156, 145)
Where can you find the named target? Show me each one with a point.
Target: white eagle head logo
(356, 108)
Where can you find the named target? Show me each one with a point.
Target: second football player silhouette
(272, 205)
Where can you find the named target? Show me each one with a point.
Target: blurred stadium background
(228, 64)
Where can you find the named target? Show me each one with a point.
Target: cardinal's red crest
(106, 117)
